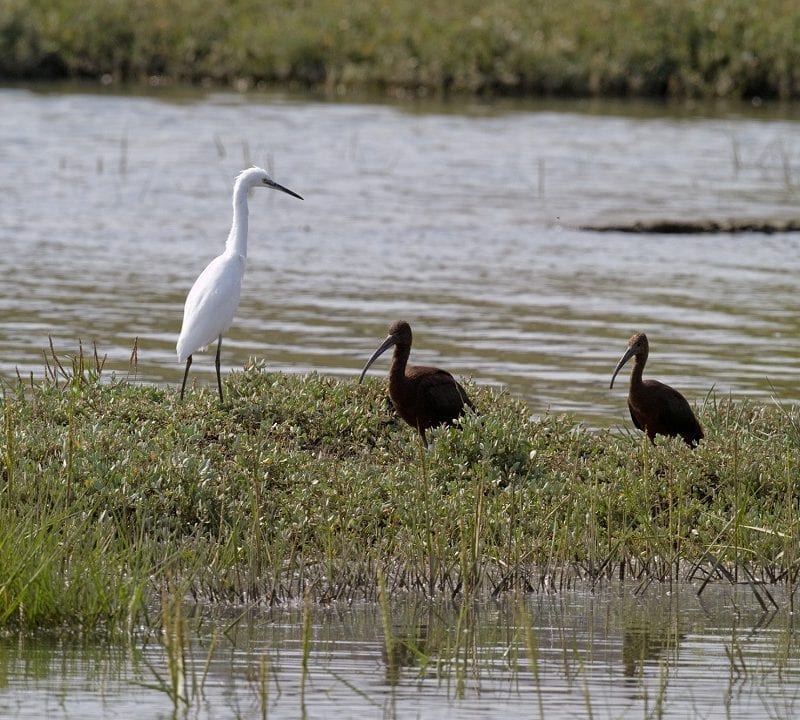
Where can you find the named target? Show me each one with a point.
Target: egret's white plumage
(211, 303)
(214, 297)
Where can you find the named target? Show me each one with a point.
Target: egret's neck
(237, 239)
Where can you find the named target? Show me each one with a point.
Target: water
(607, 653)
(462, 220)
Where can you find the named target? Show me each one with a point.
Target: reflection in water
(407, 649)
(644, 640)
(580, 653)
(461, 223)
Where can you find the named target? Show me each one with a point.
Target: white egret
(214, 297)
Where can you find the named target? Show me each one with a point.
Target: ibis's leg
(186, 374)
(216, 364)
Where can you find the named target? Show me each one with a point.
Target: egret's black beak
(278, 186)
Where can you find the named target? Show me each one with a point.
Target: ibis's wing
(440, 398)
(672, 405)
(672, 413)
(636, 422)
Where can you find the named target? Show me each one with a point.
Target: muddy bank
(694, 227)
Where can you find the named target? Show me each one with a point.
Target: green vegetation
(707, 48)
(113, 493)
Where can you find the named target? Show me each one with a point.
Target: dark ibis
(656, 408)
(423, 396)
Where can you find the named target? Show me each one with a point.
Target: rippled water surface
(463, 220)
(610, 653)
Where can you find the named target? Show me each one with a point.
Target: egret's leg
(219, 379)
(186, 374)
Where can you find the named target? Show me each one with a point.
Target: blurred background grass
(655, 48)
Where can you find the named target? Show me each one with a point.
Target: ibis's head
(637, 345)
(399, 334)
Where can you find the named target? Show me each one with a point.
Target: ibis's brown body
(423, 396)
(656, 408)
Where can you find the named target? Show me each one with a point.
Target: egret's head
(258, 177)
